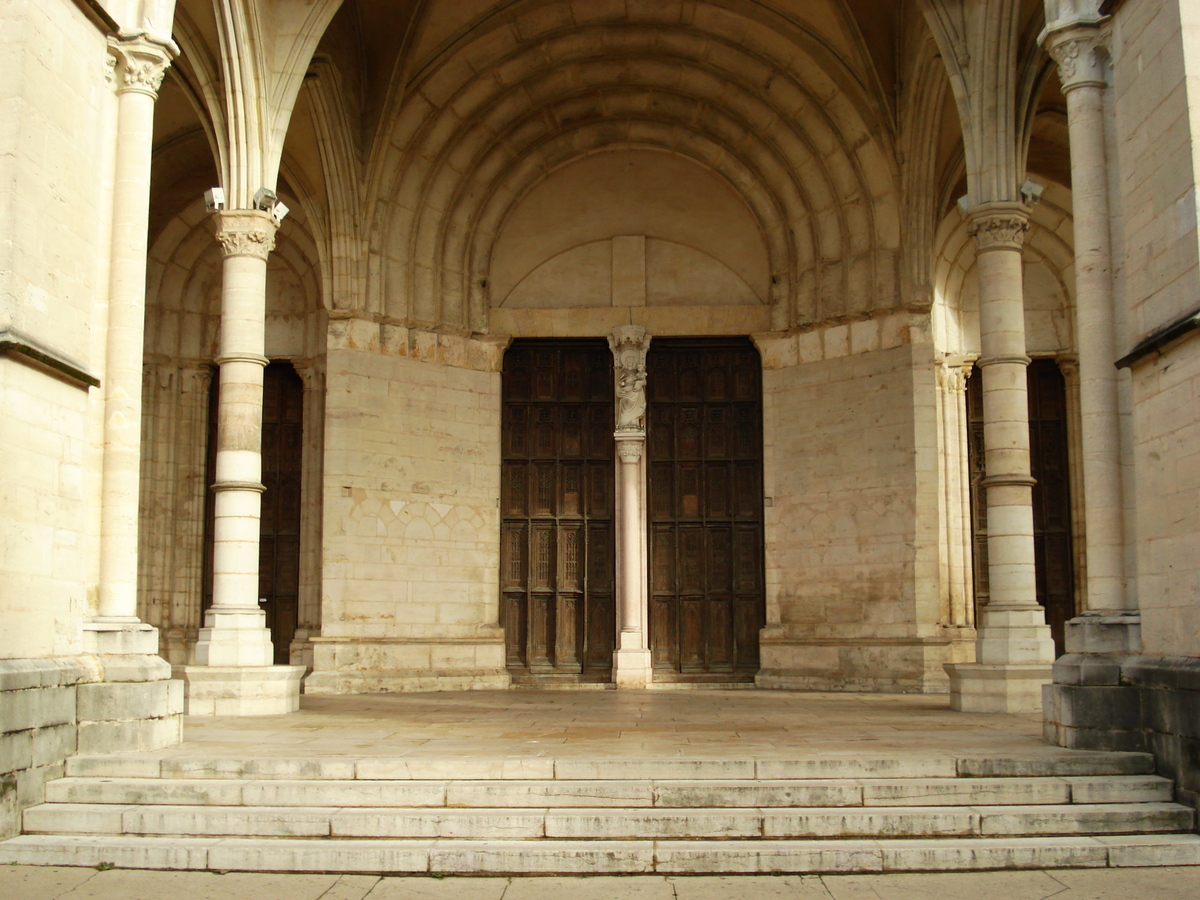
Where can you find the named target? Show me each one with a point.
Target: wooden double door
(704, 500)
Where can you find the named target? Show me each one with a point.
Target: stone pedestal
(136, 705)
(240, 690)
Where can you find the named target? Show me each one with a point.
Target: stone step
(500, 857)
(1077, 763)
(615, 824)
(1038, 791)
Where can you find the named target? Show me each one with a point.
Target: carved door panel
(557, 537)
(279, 536)
(707, 599)
(1048, 460)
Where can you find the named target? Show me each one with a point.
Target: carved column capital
(629, 344)
(246, 232)
(1079, 51)
(139, 62)
(629, 448)
(998, 226)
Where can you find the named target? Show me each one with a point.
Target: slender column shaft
(1008, 483)
(246, 238)
(140, 65)
(629, 474)
(1083, 78)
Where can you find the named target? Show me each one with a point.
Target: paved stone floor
(49, 883)
(737, 724)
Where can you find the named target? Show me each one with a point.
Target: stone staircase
(617, 815)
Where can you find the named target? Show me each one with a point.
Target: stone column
(1075, 40)
(958, 612)
(308, 624)
(135, 677)
(140, 64)
(1014, 651)
(632, 666)
(233, 674)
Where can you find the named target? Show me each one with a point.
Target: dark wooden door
(707, 599)
(1053, 553)
(279, 537)
(557, 540)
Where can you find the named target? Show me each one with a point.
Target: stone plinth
(991, 688)
(632, 669)
(241, 690)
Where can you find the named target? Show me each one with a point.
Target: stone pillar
(632, 666)
(1014, 650)
(1075, 39)
(233, 674)
(308, 624)
(958, 613)
(136, 706)
(1090, 704)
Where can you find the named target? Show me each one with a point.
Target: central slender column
(233, 674)
(1014, 651)
(632, 666)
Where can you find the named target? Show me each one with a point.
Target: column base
(135, 705)
(240, 690)
(234, 638)
(997, 688)
(632, 669)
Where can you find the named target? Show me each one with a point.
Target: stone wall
(851, 523)
(411, 527)
(53, 708)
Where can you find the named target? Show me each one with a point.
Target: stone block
(240, 821)
(10, 811)
(264, 767)
(1087, 669)
(768, 857)
(967, 792)
(518, 794)
(983, 853)
(240, 690)
(291, 792)
(144, 791)
(734, 794)
(23, 674)
(507, 825)
(112, 767)
(1118, 635)
(1085, 819)
(1078, 763)
(1120, 789)
(857, 767)
(906, 822)
(556, 857)
(1113, 708)
(94, 850)
(73, 818)
(51, 745)
(261, 855)
(16, 750)
(627, 824)
(37, 708)
(681, 769)
(1153, 850)
(107, 701)
(458, 769)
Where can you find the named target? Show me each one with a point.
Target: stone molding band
(254, 358)
(13, 342)
(1017, 359)
(1008, 481)
(238, 486)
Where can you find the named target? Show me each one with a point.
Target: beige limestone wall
(851, 470)
(1158, 130)
(53, 210)
(411, 526)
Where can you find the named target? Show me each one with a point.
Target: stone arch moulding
(484, 123)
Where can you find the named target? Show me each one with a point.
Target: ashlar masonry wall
(411, 525)
(851, 522)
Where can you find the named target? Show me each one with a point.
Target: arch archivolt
(500, 112)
